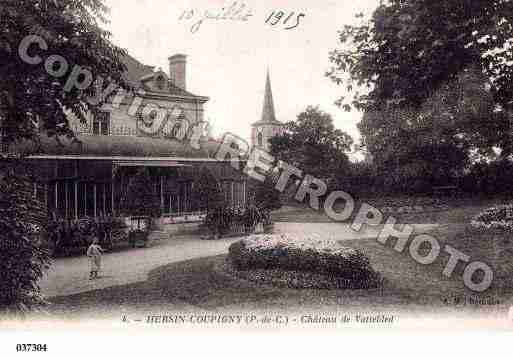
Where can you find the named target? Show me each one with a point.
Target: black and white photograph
(286, 166)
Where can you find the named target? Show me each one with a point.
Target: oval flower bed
(495, 218)
(301, 263)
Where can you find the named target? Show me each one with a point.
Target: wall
(122, 124)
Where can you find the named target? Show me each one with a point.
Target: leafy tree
(30, 98)
(410, 48)
(266, 196)
(313, 144)
(430, 144)
(22, 219)
(207, 190)
(433, 79)
(140, 197)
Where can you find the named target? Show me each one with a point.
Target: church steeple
(268, 114)
(268, 126)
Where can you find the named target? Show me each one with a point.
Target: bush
(489, 178)
(220, 220)
(495, 218)
(326, 258)
(22, 260)
(140, 197)
(66, 236)
(266, 196)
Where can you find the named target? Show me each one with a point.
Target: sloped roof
(117, 146)
(268, 114)
(136, 71)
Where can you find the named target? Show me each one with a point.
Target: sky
(228, 59)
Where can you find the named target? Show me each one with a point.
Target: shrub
(63, 236)
(266, 196)
(500, 218)
(22, 260)
(328, 258)
(140, 197)
(220, 220)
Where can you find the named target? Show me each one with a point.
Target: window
(161, 82)
(260, 139)
(101, 124)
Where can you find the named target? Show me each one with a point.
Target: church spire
(268, 114)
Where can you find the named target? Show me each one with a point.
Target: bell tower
(268, 126)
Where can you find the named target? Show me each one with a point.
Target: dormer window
(160, 82)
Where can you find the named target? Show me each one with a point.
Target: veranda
(74, 187)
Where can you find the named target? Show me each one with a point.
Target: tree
(410, 48)
(430, 144)
(207, 190)
(433, 79)
(30, 98)
(266, 196)
(313, 144)
(140, 197)
(22, 219)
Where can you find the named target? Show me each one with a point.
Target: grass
(461, 210)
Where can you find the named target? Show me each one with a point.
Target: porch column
(56, 199)
(94, 202)
(104, 199)
(85, 199)
(232, 200)
(244, 192)
(76, 198)
(66, 199)
(46, 196)
(112, 189)
(112, 197)
(75, 183)
(162, 194)
(185, 197)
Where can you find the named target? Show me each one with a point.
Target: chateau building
(89, 177)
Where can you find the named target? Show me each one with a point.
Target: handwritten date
(280, 17)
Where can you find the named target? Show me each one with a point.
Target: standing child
(94, 252)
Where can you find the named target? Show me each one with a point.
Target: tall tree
(22, 218)
(31, 98)
(439, 70)
(313, 144)
(140, 197)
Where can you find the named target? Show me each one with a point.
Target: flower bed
(302, 262)
(495, 218)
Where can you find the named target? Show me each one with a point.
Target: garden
(307, 262)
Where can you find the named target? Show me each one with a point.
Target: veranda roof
(117, 147)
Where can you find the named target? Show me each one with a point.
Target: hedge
(307, 255)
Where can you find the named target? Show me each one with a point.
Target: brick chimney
(177, 70)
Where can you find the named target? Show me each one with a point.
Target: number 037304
(31, 347)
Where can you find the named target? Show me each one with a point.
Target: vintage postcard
(211, 165)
